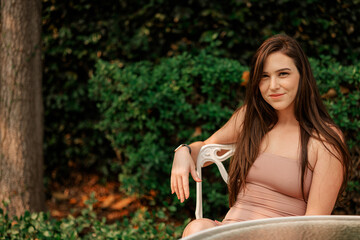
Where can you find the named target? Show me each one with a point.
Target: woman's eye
(264, 76)
(282, 74)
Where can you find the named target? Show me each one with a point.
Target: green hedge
(344, 108)
(76, 33)
(143, 224)
(147, 109)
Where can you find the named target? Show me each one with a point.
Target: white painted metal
(284, 228)
(209, 153)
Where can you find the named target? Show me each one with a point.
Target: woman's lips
(276, 95)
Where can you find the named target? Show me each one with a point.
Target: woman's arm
(184, 163)
(326, 181)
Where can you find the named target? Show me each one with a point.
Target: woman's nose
(274, 83)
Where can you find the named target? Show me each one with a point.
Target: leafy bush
(143, 225)
(147, 109)
(76, 33)
(344, 104)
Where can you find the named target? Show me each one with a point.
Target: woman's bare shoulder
(327, 177)
(320, 147)
(239, 117)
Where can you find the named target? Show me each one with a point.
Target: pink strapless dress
(273, 189)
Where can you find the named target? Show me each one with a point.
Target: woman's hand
(182, 165)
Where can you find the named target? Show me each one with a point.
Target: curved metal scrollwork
(209, 153)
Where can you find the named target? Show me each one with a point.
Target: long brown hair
(260, 117)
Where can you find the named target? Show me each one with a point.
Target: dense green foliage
(140, 104)
(344, 108)
(147, 109)
(76, 33)
(143, 225)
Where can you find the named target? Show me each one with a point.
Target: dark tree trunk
(21, 107)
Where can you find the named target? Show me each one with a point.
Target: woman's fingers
(185, 181)
(180, 185)
(177, 191)
(180, 188)
(176, 185)
(172, 184)
(179, 180)
(194, 175)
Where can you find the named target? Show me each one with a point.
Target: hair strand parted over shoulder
(260, 117)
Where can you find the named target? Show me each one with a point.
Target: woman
(290, 157)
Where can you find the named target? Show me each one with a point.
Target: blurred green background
(127, 81)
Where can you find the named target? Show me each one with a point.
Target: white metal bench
(209, 153)
(299, 227)
(284, 228)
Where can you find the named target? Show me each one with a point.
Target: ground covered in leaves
(70, 196)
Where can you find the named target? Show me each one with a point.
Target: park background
(125, 82)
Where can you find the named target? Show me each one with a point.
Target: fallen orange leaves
(122, 203)
(60, 196)
(72, 201)
(108, 201)
(72, 195)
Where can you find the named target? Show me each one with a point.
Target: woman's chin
(280, 107)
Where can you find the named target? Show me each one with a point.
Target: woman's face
(279, 82)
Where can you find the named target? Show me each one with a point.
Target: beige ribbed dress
(273, 189)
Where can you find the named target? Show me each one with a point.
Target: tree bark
(21, 107)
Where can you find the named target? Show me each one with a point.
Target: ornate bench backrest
(209, 153)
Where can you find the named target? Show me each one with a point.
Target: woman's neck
(286, 117)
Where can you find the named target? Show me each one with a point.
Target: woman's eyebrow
(282, 69)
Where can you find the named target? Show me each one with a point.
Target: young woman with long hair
(290, 157)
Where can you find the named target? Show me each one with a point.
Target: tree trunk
(21, 107)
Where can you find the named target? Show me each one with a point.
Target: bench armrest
(209, 153)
